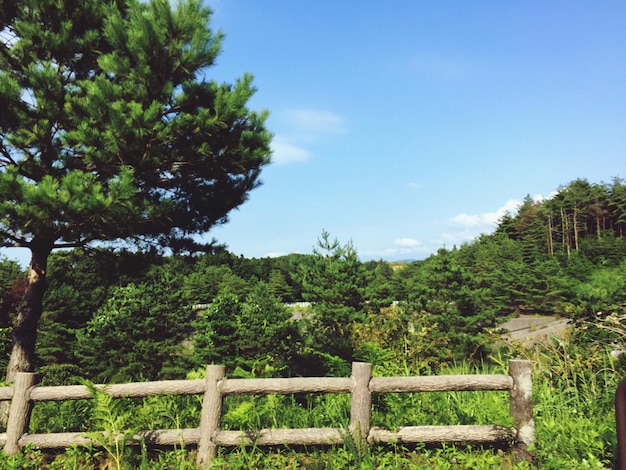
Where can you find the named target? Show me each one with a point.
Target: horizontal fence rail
(209, 436)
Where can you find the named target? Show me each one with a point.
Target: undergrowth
(573, 390)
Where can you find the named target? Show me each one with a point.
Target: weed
(115, 424)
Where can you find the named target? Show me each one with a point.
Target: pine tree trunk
(550, 236)
(566, 233)
(575, 229)
(25, 328)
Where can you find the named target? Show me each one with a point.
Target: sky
(405, 126)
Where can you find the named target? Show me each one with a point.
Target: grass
(573, 390)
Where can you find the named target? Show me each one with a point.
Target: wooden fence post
(210, 415)
(361, 402)
(19, 411)
(521, 403)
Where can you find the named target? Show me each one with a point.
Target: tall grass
(573, 392)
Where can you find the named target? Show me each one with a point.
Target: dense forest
(130, 316)
(117, 151)
(136, 316)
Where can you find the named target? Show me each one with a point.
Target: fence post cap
(25, 374)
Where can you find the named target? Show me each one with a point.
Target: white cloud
(315, 122)
(467, 220)
(403, 249)
(407, 242)
(450, 239)
(485, 220)
(284, 151)
(470, 226)
(303, 128)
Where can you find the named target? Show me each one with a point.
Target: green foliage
(605, 291)
(111, 132)
(129, 317)
(381, 289)
(398, 340)
(573, 411)
(107, 86)
(29, 459)
(133, 336)
(12, 286)
(278, 286)
(448, 301)
(216, 332)
(573, 394)
(335, 282)
(113, 424)
(336, 277)
(202, 285)
(256, 335)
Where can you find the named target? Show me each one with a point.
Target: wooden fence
(208, 436)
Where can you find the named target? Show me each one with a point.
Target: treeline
(129, 316)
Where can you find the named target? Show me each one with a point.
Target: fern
(109, 416)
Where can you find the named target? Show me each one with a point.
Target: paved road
(534, 328)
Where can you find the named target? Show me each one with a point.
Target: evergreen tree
(256, 335)
(453, 300)
(203, 285)
(134, 336)
(381, 290)
(110, 131)
(216, 335)
(617, 206)
(278, 286)
(336, 284)
(139, 330)
(268, 339)
(12, 287)
(80, 282)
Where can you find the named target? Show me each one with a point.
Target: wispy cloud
(486, 220)
(466, 227)
(300, 130)
(407, 242)
(401, 249)
(459, 229)
(314, 123)
(284, 151)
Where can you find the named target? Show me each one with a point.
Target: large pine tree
(110, 132)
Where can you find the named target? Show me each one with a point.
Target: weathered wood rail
(208, 436)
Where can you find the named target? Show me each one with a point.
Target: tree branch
(7, 158)
(16, 242)
(69, 245)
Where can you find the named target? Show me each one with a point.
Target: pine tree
(111, 131)
(335, 282)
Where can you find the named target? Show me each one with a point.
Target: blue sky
(408, 125)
